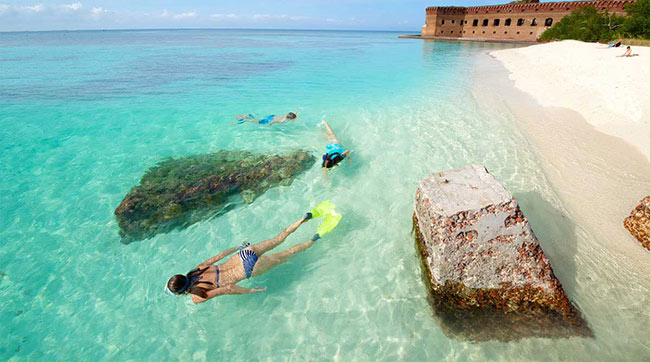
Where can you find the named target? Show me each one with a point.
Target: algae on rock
(486, 274)
(638, 222)
(179, 192)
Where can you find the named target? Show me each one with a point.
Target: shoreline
(597, 185)
(610, 92)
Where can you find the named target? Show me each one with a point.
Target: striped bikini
(249, 258)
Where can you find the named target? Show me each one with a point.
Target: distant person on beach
(334, 151)
(267, 120)
(628, 53)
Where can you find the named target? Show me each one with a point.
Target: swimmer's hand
(307, 216)
(258, 289)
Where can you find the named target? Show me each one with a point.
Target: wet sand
(598, 177)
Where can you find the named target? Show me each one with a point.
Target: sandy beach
(610, 92)
(585, 112)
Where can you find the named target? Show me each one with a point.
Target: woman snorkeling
(267, 120)
(210, 279)
(334, 151)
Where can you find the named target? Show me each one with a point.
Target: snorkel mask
(173, 293)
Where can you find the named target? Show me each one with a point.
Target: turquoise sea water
(84, 114)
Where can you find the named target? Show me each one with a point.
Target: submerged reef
(179, 192)
(487, 276)
(638, 222)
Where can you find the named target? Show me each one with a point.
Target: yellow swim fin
(322, 209)
(329, 223)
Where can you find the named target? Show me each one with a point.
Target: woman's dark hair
(177, 282)
(291, 115)
(330, 160)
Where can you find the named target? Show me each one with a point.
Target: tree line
(590, 25)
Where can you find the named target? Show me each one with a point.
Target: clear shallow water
(84, 114)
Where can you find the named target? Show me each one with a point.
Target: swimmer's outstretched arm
(278, 121)
(223, 254)
(347, 153)
(227, 290)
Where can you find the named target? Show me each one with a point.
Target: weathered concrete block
(638, 222)
(487, 275)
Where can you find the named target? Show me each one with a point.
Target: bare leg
(264, 246)
(266, 263)
(330, 135)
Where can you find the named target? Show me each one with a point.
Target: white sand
(610, 92)
(594, 160)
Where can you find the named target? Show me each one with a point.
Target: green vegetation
(590, 25)
(179, 192)
(637, 25)
(638, 42)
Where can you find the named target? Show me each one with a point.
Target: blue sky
(405, 15)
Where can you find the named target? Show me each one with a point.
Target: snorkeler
(210, 279)
(334, 151)
(267, 120)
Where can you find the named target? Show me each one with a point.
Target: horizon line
(197, 28)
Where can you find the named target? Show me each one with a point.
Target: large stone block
(638, 222)
(487, 275)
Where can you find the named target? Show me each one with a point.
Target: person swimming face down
(291, 116)
(330, 160)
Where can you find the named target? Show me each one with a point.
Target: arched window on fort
(496, 22)
(475, 22)
(485, 22)
(507, 22)
(549, 21)
(520, 22)
(533, 22)
(442, 21)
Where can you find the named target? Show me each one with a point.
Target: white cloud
(224, 16)
(279, 17)
(73, 6)
(36, 8)
(98, 11)
(3, 8)
(185, 15)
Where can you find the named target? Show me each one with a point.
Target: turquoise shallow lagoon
(84, 114)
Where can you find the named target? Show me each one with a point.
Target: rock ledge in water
(638, 222)
(487, 275)
(178, 192)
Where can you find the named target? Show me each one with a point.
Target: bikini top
(196, 276)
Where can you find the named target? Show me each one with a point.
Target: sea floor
(84, 114)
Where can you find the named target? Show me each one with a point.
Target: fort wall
(509, 22)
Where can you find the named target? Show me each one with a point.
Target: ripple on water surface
(84, 114)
